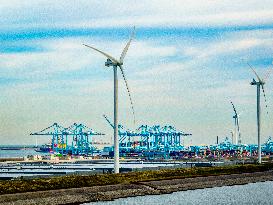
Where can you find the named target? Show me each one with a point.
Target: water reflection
(255, 193)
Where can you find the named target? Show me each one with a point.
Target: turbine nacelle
(254, 82)
(109, 63)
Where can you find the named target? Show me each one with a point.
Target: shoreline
(112, 192)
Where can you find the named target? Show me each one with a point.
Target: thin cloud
(177, 75)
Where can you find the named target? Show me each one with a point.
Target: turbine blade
(103, 53)
(260, 80)
(106, 118)
(265, 100)
(233, 108)
(129, 93)
(127, 46)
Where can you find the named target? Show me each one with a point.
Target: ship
(44, 148)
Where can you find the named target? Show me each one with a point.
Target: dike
(113, 186)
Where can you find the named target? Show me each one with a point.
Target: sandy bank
(111, 192)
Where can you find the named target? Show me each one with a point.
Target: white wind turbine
(111, 61)
(237, 132)
(260, 83)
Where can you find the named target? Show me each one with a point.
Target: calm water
(18, 153)
(256, 193)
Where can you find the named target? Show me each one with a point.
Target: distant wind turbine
(237, 132)
(260, 83)
(111, 61)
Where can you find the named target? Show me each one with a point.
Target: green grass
(75, 181)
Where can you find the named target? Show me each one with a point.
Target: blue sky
(187, 62)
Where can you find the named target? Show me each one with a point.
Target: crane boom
(108, 121)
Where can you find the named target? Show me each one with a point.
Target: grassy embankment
(76, 181)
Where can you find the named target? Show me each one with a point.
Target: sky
(187, 62)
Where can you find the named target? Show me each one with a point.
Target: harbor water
(254, 193)
(18, 153)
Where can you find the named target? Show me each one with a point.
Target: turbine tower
(232, 136)
(237, 132)
(111, 61)
(260, 83)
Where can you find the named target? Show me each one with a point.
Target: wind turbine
(237, 132)
(111, 61)
(260, 83)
